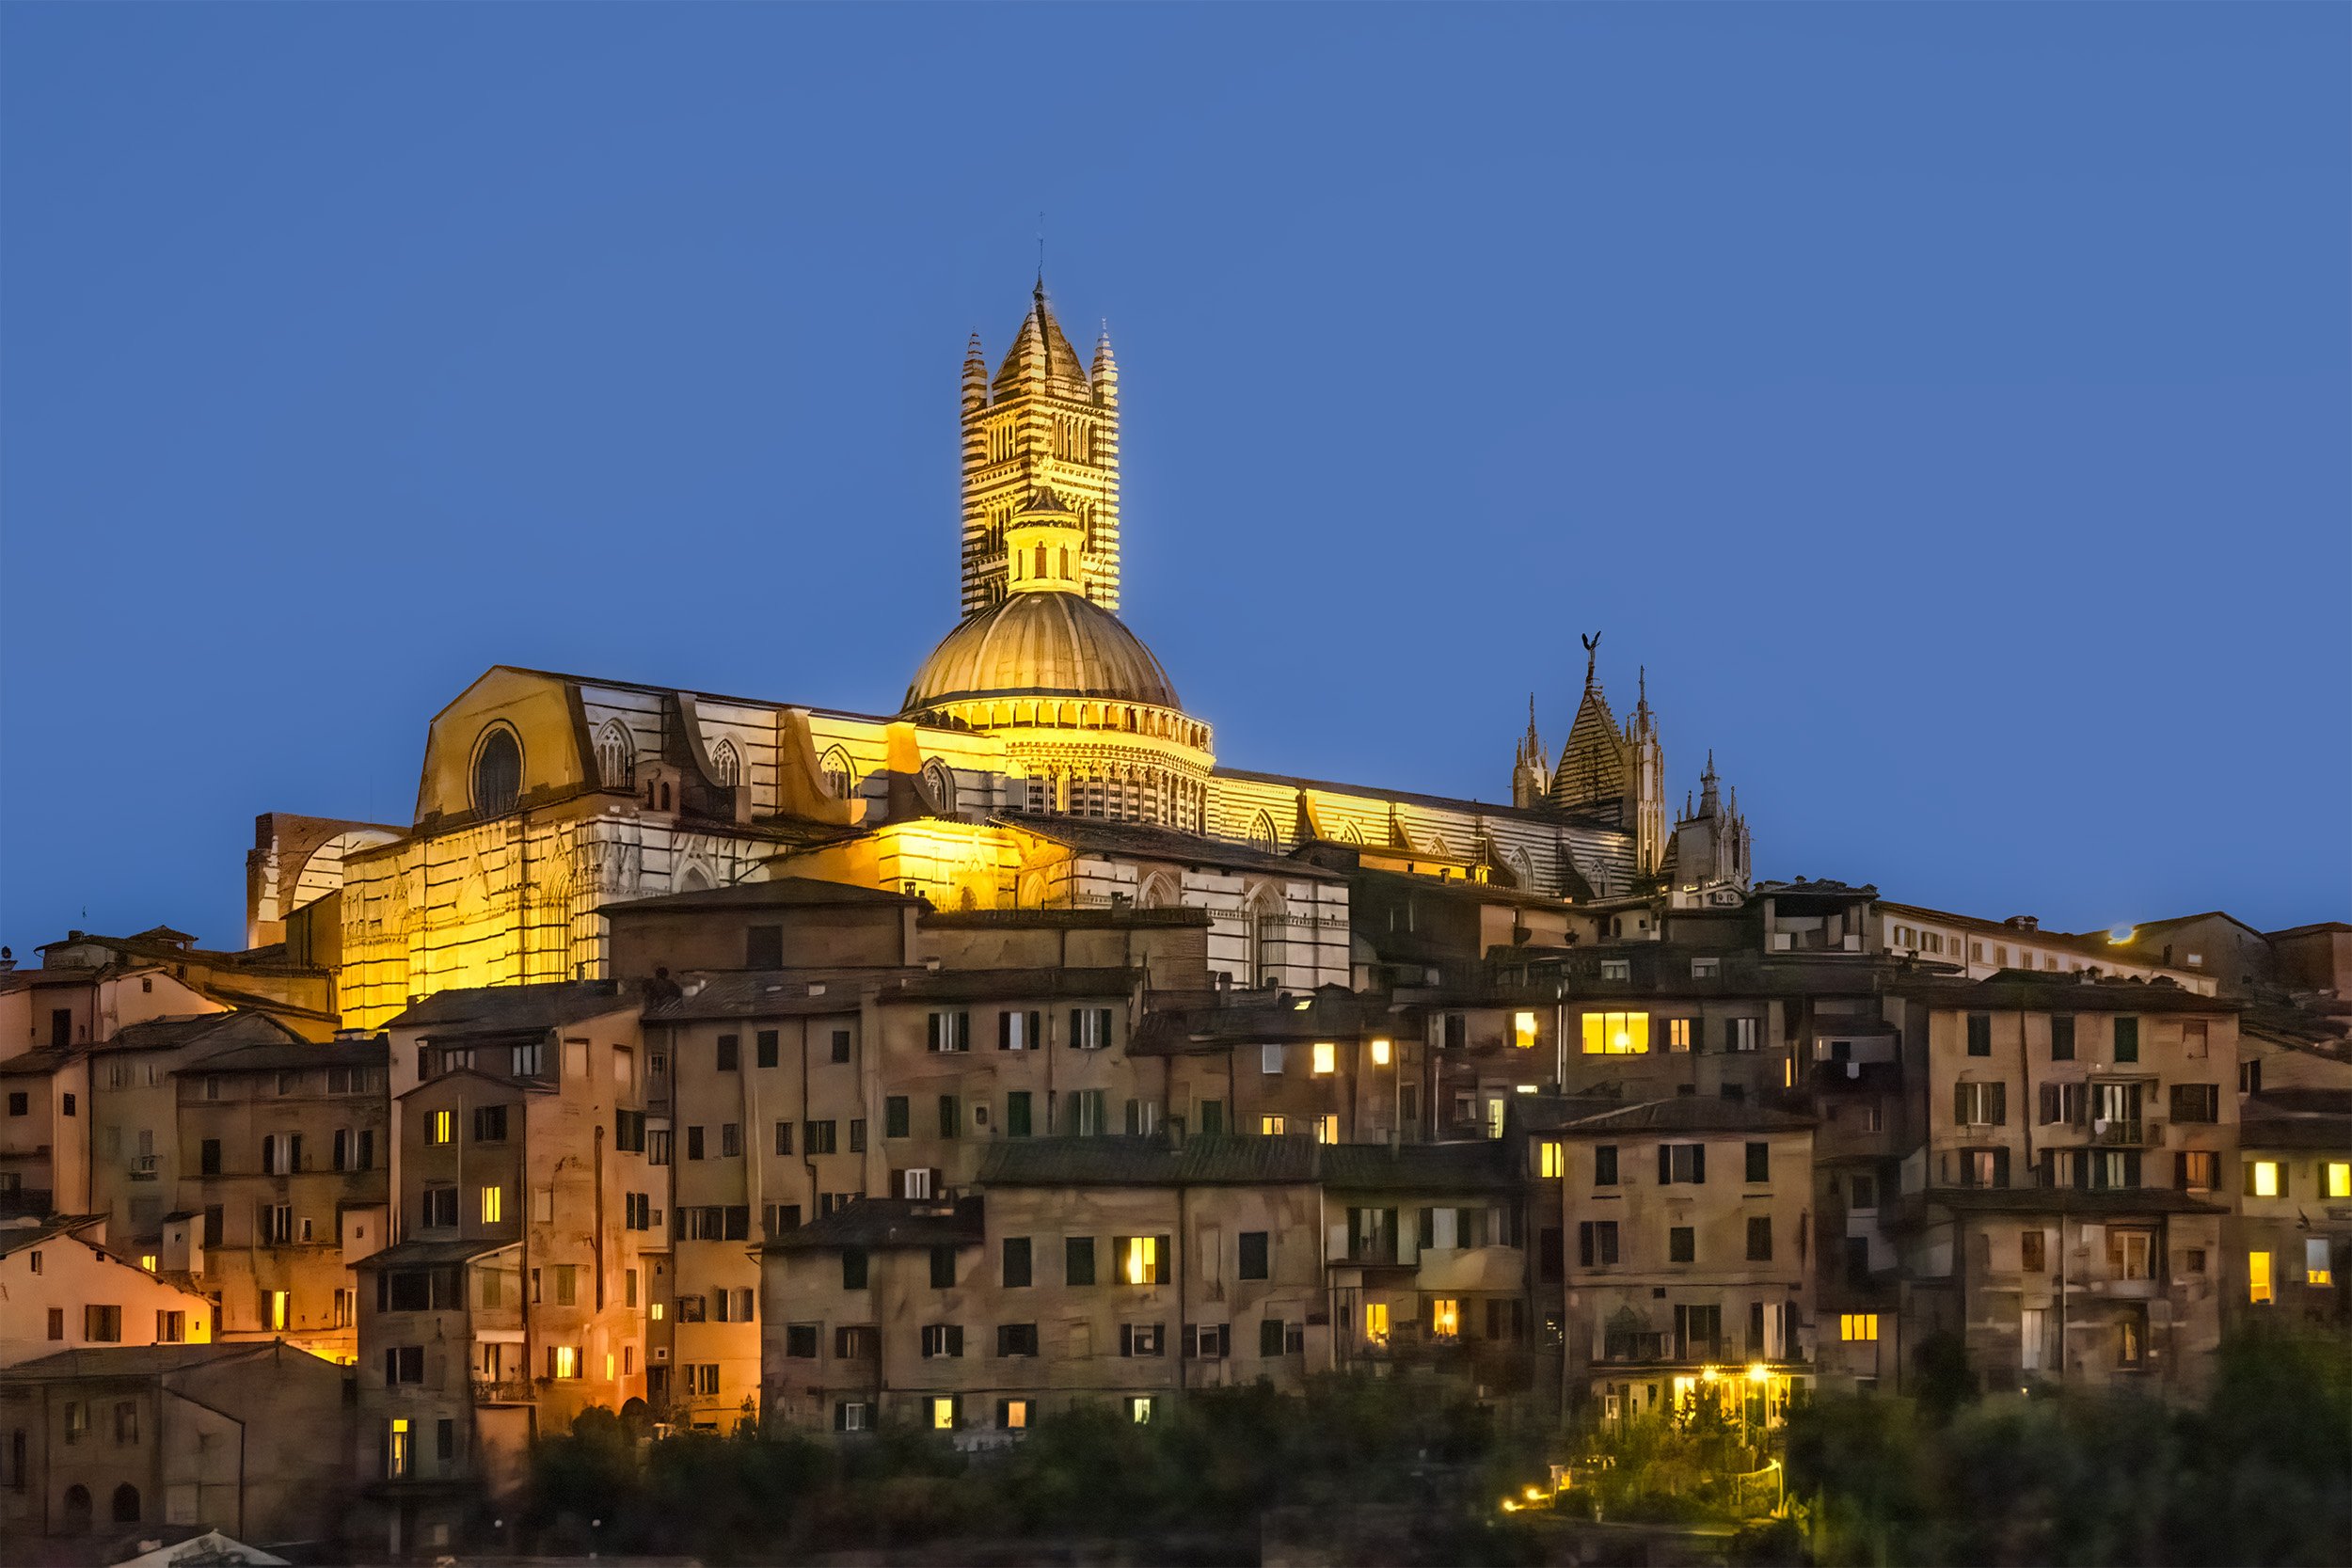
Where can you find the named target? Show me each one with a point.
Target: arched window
(1040, 562)
(498, 772)
(940, 779)
(1351, 833)
(840, 774)
(78, 1510)
(1157, 892)
(1065, 560)
(126, 1504)
(726, 767)
(1263, 913)
(616, 756)
(1261, 834)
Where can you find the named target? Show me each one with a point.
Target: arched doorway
(76, 1521)
(126, 1504)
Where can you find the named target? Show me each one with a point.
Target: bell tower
(1045, 424)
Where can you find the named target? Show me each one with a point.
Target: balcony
(146, 1167)
(2126, 1135)
(503, 1391)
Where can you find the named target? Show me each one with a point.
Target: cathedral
(1042, 759)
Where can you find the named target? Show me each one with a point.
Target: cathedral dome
(1041, 644)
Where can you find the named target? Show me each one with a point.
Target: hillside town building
(725, 1061)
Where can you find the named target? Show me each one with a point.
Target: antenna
(1041, 247)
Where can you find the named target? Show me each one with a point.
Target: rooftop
(1208, 1162)
(890, 1222)
(500, 1009)
(782, 892)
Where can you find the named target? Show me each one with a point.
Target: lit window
(276, 1308)
(1445, 1317)
(147, 1262)
(493, 1202)
(396, 1455)
(1327, 1129)
(1141, 1265)
(1270, 1127)
(654, 1311)
(1380, 1052)
(2262, 1178)
(1326, 1057)
(563, 1360)
(1376, 1322)
(2317, 1268)
(1550, 1160)
(2258, 1278)
(1616, 1034)
(1139, 1409)
(440, 1127)
(1678, 1033)
(2339, 1178)
(1858, 1327)
(944, 1413)
(1016, 1416)
(1523, 1030)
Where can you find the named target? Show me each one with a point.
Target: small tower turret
(1531, 776)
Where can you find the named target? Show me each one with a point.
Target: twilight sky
(1949, 404)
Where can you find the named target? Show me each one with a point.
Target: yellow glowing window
(1523, 1030)
(493, 1204)
(1327, 1056)
(2258, 1278)
(654, 1311)
(1380, 1052)
(1858, 1327)
(1270, 1127)
(276, 1308)
(396, 1456)
(1445, 1317)
(2262, 1178)
(1327, 1129)
(2317, 1270)
(608, 1365)
(1139, 1409)
(563, 1360)
(944, 1413)
(147, 1262)
(1376, 1322)
(2339, 1178)
(440, 1127)
(1016, 1415)
(1616, 1034)
(1678, 1033)
(1551, 1161)
(1142, 1263)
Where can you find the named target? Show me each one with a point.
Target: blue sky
(1948, 405)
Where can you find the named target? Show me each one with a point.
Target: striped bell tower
(1046, 423)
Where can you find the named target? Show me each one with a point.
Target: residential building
(1132, 1270)
(518, 1288)
(2063, 1215)
(284, 1158)
(249, 1439)
(62, 1287)
(1674, 1247)
(2289, 1250)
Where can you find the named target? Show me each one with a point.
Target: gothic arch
(1159, 892)
(840, 772)
(941, 781)
(726, 767)
(1522, 868)
(695, 876)
(1262, 913)
(1261, 833)
(1351, 833)
(616, 756)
